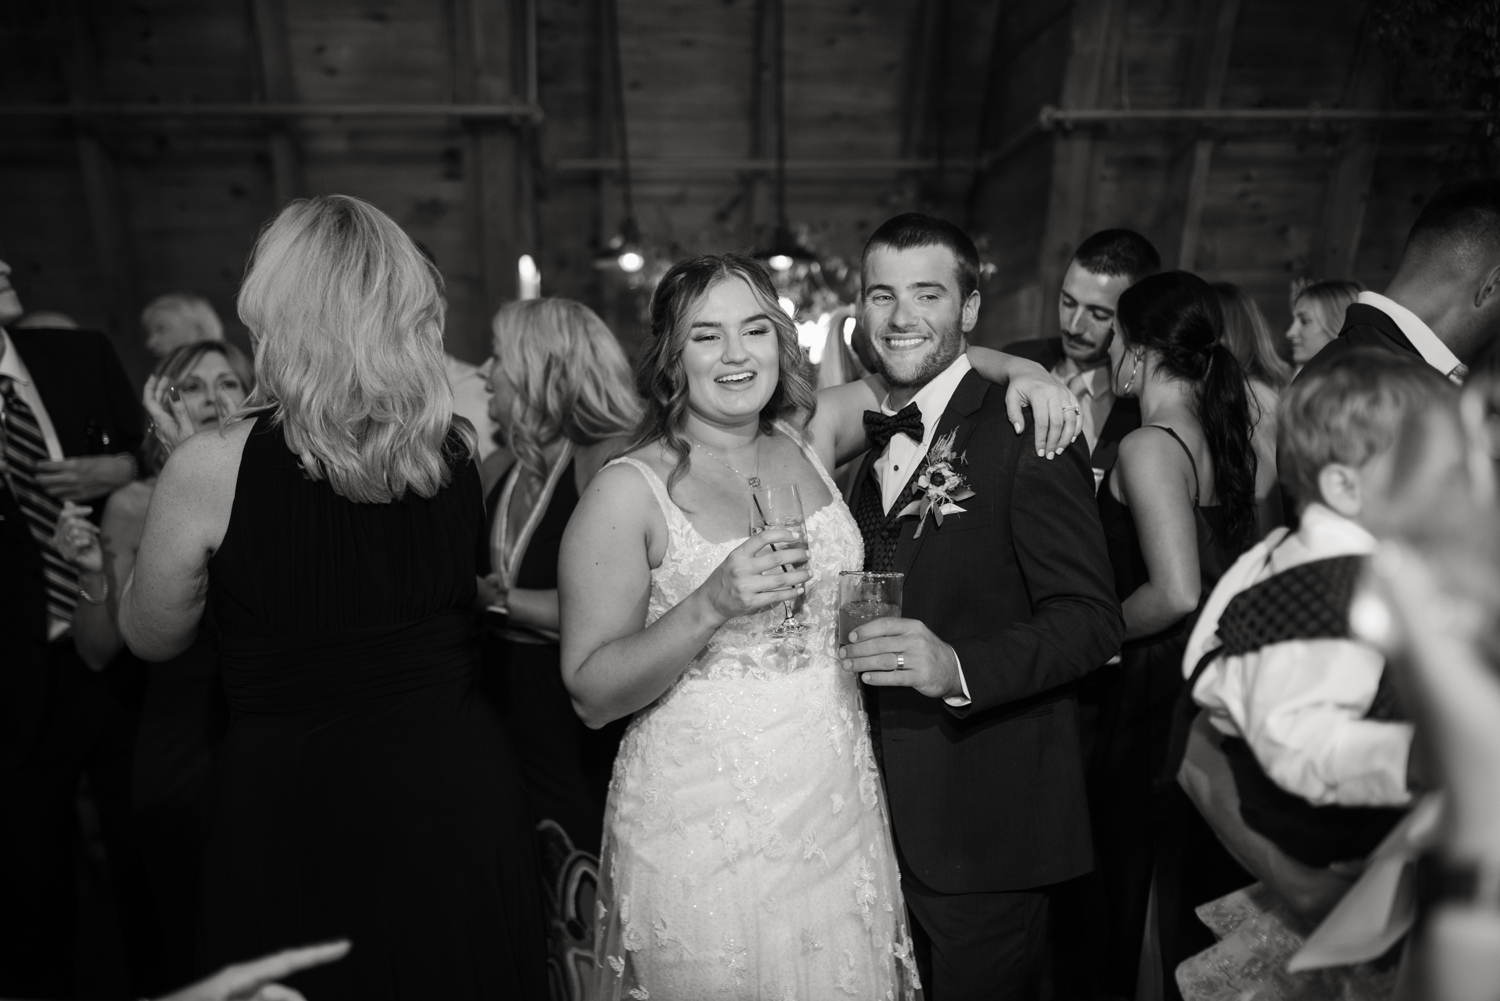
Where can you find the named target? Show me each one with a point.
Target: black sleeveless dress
(1140, 830)
(565, 765)
(364, 790)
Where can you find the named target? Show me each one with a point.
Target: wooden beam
(104, 198)
(1337, 240)
(488, 61)
(1093, 26)
(755, 184)
(924, 107)
(272, 38)
(1206, 90)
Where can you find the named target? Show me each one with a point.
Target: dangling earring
(1133, 370)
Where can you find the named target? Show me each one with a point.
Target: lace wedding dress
(747, 849)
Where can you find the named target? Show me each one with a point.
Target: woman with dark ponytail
(1177, 508)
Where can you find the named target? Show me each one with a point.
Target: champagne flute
(780, 506)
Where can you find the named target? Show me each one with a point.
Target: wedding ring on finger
(900, 662)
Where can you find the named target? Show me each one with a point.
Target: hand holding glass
(865, 597)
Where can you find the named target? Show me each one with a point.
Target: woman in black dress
(1177, 508)
(364, 789)
(561, 396)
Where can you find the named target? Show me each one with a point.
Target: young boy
(1314, 735)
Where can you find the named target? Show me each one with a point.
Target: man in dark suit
(71, 425)
(1443, 302)
(1008, 601)
(1104, 265)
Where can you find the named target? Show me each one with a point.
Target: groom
(1009, 599)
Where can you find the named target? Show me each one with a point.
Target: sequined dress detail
(747, 849)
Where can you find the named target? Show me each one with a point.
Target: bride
(747, 847)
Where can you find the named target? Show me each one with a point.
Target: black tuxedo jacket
(1124, 416)
(990, 797)
(1365, 326)
(94, 410)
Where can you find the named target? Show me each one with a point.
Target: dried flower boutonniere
(942, 486)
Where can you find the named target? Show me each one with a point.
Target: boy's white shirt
(1300, 704)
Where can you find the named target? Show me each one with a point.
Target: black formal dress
(565, 765)
(987, 799)
(364, 788)
(1140, 828)
(183, 718)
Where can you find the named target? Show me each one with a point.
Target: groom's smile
(915, 312)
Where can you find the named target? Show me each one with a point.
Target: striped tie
(24, 449)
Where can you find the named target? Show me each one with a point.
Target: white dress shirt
(1301, 704)
(1433, 351)
(13, 365)
(899, 462)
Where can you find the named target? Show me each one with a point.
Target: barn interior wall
(98, 216)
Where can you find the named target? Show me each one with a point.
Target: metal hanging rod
(1051, 117)
(709, 165)
(511, 112)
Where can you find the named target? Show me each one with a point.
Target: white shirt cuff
(959, 701)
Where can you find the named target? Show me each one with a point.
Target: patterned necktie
(24, 449)
(880, 428)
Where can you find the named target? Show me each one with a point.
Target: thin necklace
(754, 481)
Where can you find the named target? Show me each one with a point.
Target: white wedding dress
(747, 849)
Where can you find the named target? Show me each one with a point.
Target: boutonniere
(942, 486)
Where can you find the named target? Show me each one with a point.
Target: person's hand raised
(172, 424)
(256, 980)
(750, 577)
(77, 538)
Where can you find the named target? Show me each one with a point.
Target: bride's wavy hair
(659, 377)
(346, 315)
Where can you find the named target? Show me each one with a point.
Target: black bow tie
(879, 428)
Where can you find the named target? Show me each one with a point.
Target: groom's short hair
(917, 229)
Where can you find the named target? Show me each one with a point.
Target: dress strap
(663, 497)
(1197, 490)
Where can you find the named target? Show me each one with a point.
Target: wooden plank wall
(1254, 205)
(98, 218)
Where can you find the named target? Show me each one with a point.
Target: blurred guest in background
(1318, 310)
(1177, 507)
(46, 319)
(1443, 302)
(184, 715)
(563, 400)
(179, 318)
(364, 788)
(71, 424)
(1104, 265)
(1248, 337)
(471, 401)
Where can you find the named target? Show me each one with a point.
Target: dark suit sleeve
(1076, 623)
(126, 414)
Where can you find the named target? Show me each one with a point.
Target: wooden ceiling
(890, 104)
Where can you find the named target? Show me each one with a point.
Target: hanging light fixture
(623, 250)
(786, 250)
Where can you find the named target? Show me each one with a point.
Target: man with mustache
(1105, 264)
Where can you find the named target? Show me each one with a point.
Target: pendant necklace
(754, 481)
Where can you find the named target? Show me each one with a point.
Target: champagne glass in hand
(780, 506)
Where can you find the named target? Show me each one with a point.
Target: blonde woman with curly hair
(364, 789)
(562, 398)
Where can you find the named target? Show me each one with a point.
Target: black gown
(565, 765)
(364, 789)
(1141, 829)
